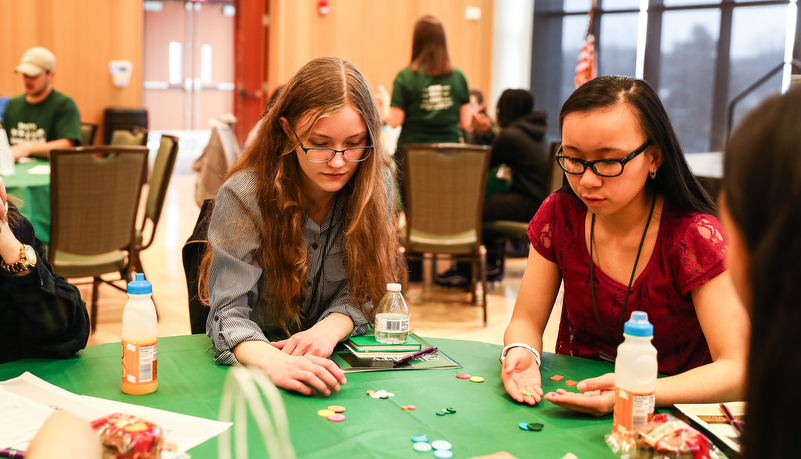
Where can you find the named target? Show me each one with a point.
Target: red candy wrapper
(665, 437)
(124, 436)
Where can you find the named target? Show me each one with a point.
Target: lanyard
(631, 280)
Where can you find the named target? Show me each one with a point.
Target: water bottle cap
(638, 325)
(139, 286)
(394, 287)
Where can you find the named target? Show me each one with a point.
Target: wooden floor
(435, 311)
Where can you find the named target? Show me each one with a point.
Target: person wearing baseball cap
(42, 118)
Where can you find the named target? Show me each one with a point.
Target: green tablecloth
(486, 419)
(34, 192)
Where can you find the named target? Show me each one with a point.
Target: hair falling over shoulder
(320, 88)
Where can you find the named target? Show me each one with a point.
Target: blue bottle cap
(139, 286)
(638, 325)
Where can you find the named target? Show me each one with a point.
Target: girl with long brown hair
(303, 236)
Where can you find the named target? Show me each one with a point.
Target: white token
(441, 444)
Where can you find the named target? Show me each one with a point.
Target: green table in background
(33, 190)
(486, 419)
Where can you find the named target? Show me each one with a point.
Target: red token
(463, 376)
(570, 383)
(557, 378)
(336, 417)
(411, 407)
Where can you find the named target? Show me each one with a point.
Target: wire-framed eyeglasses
(323, 155)
(602, 167)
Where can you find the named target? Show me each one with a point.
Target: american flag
(587, 65)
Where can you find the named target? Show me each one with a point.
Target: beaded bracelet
(524, 346)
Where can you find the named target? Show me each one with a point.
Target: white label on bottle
(382, 324)
(147, 356)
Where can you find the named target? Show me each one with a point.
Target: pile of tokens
(442, 448)
(471, 378)
(380, 394)
(333, 413)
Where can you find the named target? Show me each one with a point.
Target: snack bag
(665, 437)
(124, 436)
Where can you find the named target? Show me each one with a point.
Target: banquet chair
(94, 193)
(88, 134)
(137, 136)
(192, 254)
(444, 186)
(154, 203)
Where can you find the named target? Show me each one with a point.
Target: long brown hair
(429, 48)
(762, 189)
(321, 88)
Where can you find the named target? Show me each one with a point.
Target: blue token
(441, 444)
(440, 413)
(524, 426)
(443, 454)
(422, 447)
(420, 438)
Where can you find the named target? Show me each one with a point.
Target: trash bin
(122, 118)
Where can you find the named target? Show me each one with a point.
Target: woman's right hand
(306, 374)
(519, 372)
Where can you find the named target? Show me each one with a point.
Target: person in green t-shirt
(430, 97)
(42, 118)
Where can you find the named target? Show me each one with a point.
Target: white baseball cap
(35, 61)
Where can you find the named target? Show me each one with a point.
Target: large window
(698, 54)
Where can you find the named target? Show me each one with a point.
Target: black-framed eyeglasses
(323, 155)
(602, 167)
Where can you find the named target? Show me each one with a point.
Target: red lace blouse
(689, 251)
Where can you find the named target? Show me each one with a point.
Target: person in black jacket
(42, 315)
(521, 145)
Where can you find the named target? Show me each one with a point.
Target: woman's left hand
(308, 342)
(597, 397)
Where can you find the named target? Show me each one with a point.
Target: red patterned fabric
(689, 251)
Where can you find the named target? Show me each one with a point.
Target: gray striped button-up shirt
(235, 277)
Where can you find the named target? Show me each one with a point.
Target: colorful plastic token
(449, 410)
(523, 426)
(440, 413)
(443, 454)
(420, 438)
(370, 392)
(557, 378)
(476, 379)
(337, 408)
(462, 375)
(441, 444)
(411, 407)
(404, 407)
(422, 446)
(336, 417)
(325, 413)
(535, 426)
(525, 392)
(570, 383)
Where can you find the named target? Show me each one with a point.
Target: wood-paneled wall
(84, 35)
(376, 36)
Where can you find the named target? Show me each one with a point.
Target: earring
(653, 174)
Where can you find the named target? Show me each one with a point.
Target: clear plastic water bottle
(6, 156)
(635, 376)
(392, 317)
(139, 339)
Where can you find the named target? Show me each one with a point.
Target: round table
(30, 185)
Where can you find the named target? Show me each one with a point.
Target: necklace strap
(631, 280)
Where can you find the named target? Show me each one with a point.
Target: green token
(527, 393)
(535, 426)
(449, 410)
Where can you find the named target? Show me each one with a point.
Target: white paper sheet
(27, 401)
(41, 169)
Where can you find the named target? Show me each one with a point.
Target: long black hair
(762, 189)
(673, 179)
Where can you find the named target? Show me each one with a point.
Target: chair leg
(482, 251)
(93, 320)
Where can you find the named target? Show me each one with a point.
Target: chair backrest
(88, 134)
(159, 181)
(138, 136)
(218, 156)
(193, 252)
(94, 194)
(444, 186)
(557, 174)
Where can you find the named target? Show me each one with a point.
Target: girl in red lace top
(632, 231)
